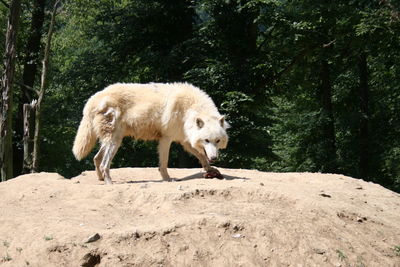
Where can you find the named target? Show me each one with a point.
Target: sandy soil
(251, 218)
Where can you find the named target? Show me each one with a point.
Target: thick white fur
(177, 112)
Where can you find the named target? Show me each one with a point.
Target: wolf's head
(207, 134)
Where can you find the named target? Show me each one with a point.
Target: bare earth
(251, 218)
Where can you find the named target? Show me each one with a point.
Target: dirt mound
(251, 218)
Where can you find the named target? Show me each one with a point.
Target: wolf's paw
(214, 173)
(108, 181)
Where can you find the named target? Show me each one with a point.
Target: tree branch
(293, 62)
(297, 59)
(5, 3)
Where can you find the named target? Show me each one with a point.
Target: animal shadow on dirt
(198, 175)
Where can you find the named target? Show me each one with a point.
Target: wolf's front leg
(211, 172)
(163, 154)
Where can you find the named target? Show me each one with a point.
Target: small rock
(359, 187)
(90, 259)
(237, 228)
(262, 184)
(77, 182)
(325, 195)
(361, 219)
(341, 215)
(225, 224)
(180, 187)
(319, 251)
(92, 238)
(237, 236)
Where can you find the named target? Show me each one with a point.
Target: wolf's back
(85, 138)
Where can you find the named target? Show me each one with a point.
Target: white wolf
(176, 112)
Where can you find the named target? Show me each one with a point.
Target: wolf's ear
(200, 123)
(224, 123)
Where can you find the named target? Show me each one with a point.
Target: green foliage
(287, 74)
(339, 35)
(397, 250)
(341, 255)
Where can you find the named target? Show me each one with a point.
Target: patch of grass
(6, 257)
(360, 262)
(48, 238)
(397, 250)
(341, 255)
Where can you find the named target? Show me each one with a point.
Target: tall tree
(41, 92)
(226, 64)
(365, 116)
(6, 159)
(31, 60)
(328, 159)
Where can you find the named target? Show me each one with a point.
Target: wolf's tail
(85, 138)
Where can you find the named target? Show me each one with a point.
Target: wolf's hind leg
(110, 149)
(110, 132)
(163, 154)
(97, 161)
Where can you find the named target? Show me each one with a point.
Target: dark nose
(213, 159)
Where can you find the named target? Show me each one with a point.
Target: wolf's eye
(217, 141)
(207, 141)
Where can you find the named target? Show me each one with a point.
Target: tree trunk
(32, 52)
(6, 159)
(28, 137)
(364, 106)
(328, 128)
(43, 85)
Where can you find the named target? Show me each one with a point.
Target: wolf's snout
(212, 159)
(211, 152)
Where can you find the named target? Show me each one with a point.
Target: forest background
(307, 85)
